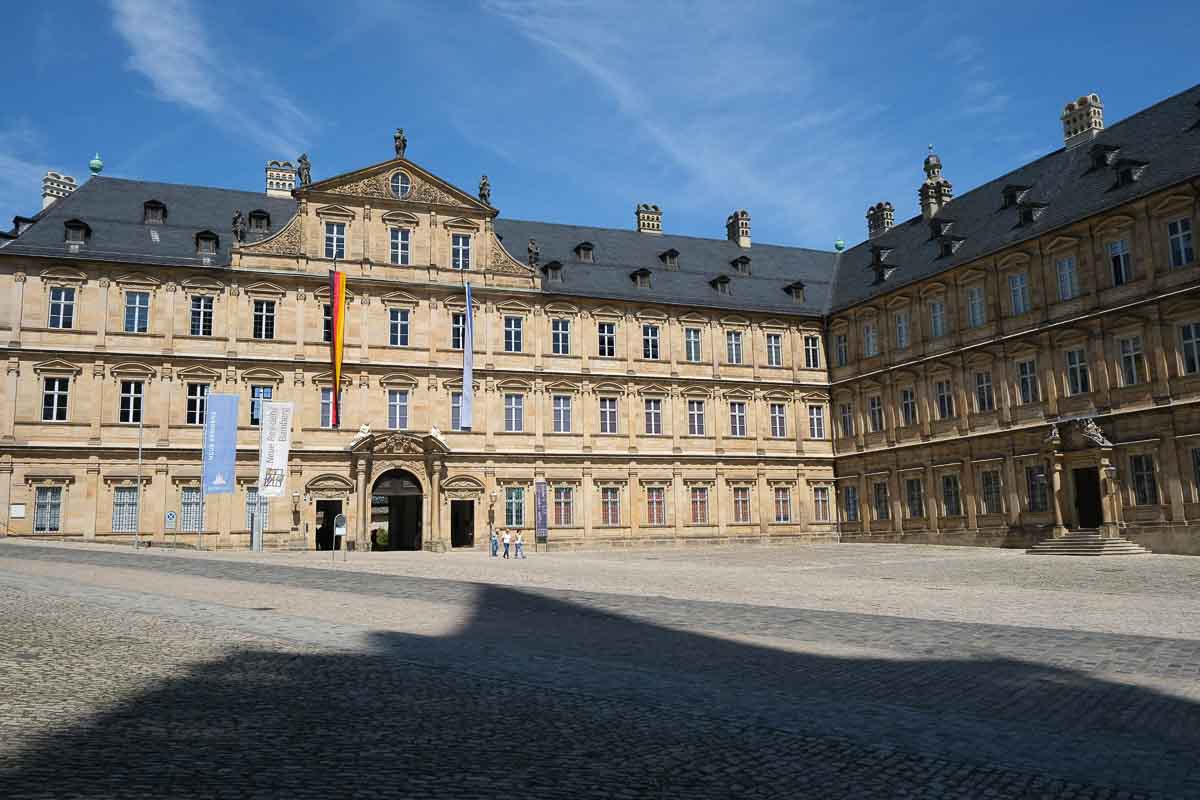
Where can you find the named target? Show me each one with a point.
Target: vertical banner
(337, 336)
(466, 414)
(541, 512)
(276, 442)
(220, 443)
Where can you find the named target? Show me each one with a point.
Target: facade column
(761, 490)
(1056, 493)
(932, 497)
(866, 508)
(895, 491)
(8, 420)
(364, 314)
(1156, 357)
(301, 302)
(102, 328)
(1011, 492)
(963, 409)
(162, 482)
(1099, 372)
(631, 416)
(678, 512)
(92, 492)
(581, 339)
(539, 418)
(969, 499)
(233, 320)
(163, 388)
(1046, 363)
(18, 311)
(923, 407)
(635, 522)
(720, 486)
(1170, 470)
(588, 488)
(96, 403)
(435, 512)
(169, 328)
(6, 471)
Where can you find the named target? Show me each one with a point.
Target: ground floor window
(989, 480)
(1035, 484)
(257, 505)
(821, 503)
(850, 503)
(47, 511)
(699, 505)
(783, 504)
(656, 507)
(882, 512)
(951, 496)
(191, 508)
(514, 507)
(1145, 486)
(741, 504)
(564, 506)
(125, 509)
(610, 505)
(916, 501)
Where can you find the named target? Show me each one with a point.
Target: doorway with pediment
(397, 516)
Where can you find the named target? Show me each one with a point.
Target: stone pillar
(1046, 360)
(91, 492)
(1098, 358)
(96, 403)
(961, 399)
(1056, 493)
(634, 516)
(6, 471)
(1011, 491)
(8, 420)
(18, 311)
(923, 406)
(102, 328)
(631, 416)
(163, 387)
(364, 327)
(435, 512)
(233, 320)
(720, 486)
(1157, 356)
(588, 488)
(301, 302)
(1170, 471)
(932, 497)
(169, 328)
(162, 482)
(895, 497)
(969, 499)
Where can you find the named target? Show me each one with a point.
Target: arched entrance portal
(396, 500)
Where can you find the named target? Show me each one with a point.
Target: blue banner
(541, 512)
(220, 443)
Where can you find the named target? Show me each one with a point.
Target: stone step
(1086, 543)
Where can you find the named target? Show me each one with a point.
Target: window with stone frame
(564, 506)
(914, 498)
(514, 330)
(699, 505)
(990, 491)
(258, 510)
(197, 403)
(879, 496)
(1132, 369)
(561, 407)
(456, 401)
(398, 327)
(976, 307)
(875, 413)
(191, 509)
(129, 411)
(399, 240)
(774, 350)
(137, 312)
(695, 409)
(326, 406)
(656, 505)
(397, 409)
(264, 319)
(951, 496)
(937, 319)
(1145, 484)
(870, 340)
(514, 507)
(850, 503)
(47, 509)
(653, 412)
(691, 344)
(783, 504)
(1068, 278)
(1027, 382)
(902, 330)
(778, 415)
(1079, 380)
(812, 352)
(820, 504)
(1189, 338)
(985, 397)
(125, 509)
(816, 422)
(737, 418)
(335, 240)
(1179, 241)
(326, 323)
(62, 307)
(608, 415)
(846, 419)
(55, 396)
(908, 407)
(1018, 293)
(1196, 474)
(1037, 490)
(460, 251)
(514, 413)
(610, 505)
(458, 331)
(1120, 261)
(560, 337)
(606, 333)
(258, 395)
(201, 322)
(733, 347)
(650, 343)
(841, 349)
(741, 505)
(943, 393)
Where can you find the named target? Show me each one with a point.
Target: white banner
(466, 413)
(276, 442)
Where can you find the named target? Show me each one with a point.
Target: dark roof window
(723, 284)
(948, 243)
(1129, 170)
(207, 243)
(640, 278)
(260, 220)
(1011, 194)
(1028, 211)
(670, 258)
(553, 271)
(76, 231)
(937, 227)
(154, 213)
(741, 265)
(1102, 155)
(796, 290)
(584, 252)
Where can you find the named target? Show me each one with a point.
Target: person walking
(520, 545)
(495, 543)
(507, 541)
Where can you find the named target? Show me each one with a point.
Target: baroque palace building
(1011, 364)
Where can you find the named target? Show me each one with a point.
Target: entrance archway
(396, 511)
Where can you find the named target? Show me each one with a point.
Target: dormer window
(741, 265)
(937, 227)
(796, 290)
(670, 258)
(206, 243)
(583, 251)
(553, 271)
(1129, 170)
(947, 244)
(640, 278)
(260, 220)
(76, 232)
(723, 284)
(1028, 212)
(154, 213)
(1102, 155)
(1011, 194)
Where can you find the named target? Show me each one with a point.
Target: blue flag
(220, 443)
(466, 413)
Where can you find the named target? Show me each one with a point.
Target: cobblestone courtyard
(826, 672)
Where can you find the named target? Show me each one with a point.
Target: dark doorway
(396, 501)
(326, 511)
(1087, 497)
(462, 523)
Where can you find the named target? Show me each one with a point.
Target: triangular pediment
(375, 182)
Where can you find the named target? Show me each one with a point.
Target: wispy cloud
(20, 172)
(981, 93)
(171, 47)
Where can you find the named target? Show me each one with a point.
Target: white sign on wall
(16, 511)
(274, 445)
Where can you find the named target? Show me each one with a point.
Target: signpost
(172, 519)
(339, 532)
(541, 514)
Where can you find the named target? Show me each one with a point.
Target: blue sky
(802, 113)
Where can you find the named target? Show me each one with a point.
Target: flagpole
(137, 525)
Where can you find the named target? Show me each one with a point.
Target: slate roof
(618, 253)
(112, 208)
(1167, 135)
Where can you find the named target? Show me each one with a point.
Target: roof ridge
(664, 234)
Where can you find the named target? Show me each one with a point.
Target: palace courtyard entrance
(396, 505)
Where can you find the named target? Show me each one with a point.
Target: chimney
(281, 178)
(880, 217)
(936, 191)
(54, 186)
(737, 228)
(649, 218)
(1082, 120)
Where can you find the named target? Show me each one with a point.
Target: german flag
(337, 337)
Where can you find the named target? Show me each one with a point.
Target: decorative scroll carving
(500, 261)
(377, 186)
(284, 243)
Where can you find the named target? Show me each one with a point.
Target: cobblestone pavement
(140, 674)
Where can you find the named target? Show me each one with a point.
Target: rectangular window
(202, 316)
(875, 413)
(850, 503)
(1068, 280)
(564, 506)
(606, 345)
(737, 418)
(1035, 485)
(560, 337)
(1196, 475)
(1079, 381)
(197, 403)
(1131, 361)
(695, 417)
(513, 334)
(733, 347)
(54, 399)
(902, 338)
(650, 342)
(783, 504)
(1018, 292)
(47, 509)
(778, 416)
(458, 331)
(816, 422)
(944, 395)
(561, 404)
(989, 480)
(691, 344)
(1122, 266)
(976, 307)
(985, 398)
(456, 411)
(326, 323)
(1027, 382)
(257, 510)
(137, 312)
(610, 505)
(327, 407)
(880, 500)
(1179, 235)
(400, 242)
(608, 415)
(812, 352)
(191, 507)
(937, 319)
(514, 413)
(62, 307)
(951, 496)
(514, 507)
(914, 498)
(699, 505)
(397, 409)
(870, 341)
(821, 503)
(846, 419)
(125, 509)
(130, 411)
(398, 327)
(908, 407)
(656, 507)
(335, 240)
(775, 349)
(460, 255)
(264, 319)
(654, 416)
(1189, 335)
(841, 350)
(1145, 485)
(257, 395)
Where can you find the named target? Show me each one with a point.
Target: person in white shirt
(507, 540)
(520, 545)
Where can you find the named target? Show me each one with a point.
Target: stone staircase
(1086, 543)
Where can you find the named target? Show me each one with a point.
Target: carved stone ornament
(284, 243)
(1093, 433)
(500, 261)
(377, 186)
(1052, 436)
